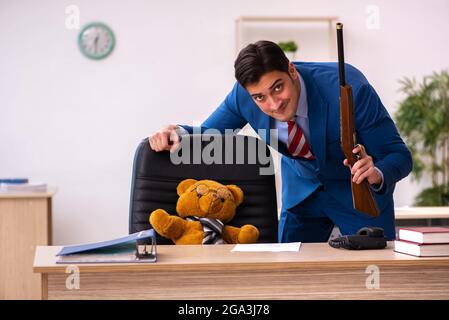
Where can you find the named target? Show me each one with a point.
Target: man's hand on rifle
(364, 167)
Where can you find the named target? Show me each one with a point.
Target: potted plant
(423, 119)
(289, 48)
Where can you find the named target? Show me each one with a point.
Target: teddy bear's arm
(246, 234)
(166, 225)
(230, 234)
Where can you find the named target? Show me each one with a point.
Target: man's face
(277, 93)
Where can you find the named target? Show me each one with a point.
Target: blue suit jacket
(375, 129)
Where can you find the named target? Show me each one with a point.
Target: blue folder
(128, 242)
(14, 180)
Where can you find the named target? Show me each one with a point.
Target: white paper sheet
(267, 247)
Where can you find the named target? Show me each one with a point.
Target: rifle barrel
(341, 55)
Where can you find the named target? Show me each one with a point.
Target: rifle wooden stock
(362, 197)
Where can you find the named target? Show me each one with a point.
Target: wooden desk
(317, 271)
(25, 222)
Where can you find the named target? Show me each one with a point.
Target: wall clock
(96, 40)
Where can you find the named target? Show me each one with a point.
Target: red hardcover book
(422, 249)
(424, 234)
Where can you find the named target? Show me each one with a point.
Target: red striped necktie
(297, 144)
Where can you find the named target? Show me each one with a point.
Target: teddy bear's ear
(184, 185)
(236, 192)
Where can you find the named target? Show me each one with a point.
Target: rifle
(362, 197)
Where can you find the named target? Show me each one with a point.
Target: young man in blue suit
(301, 100)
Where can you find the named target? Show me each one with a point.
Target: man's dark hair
(258, 58)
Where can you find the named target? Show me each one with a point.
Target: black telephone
(366, 238)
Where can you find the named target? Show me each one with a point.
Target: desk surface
(26, 194)
(317, 271)
(189, 257)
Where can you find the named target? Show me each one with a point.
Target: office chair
(155, 177)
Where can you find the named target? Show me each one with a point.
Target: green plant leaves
(423, 120)
(288, 46)
(433, 197)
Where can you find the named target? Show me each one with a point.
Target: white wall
(75, 123)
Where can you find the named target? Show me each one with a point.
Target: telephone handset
(366, 238)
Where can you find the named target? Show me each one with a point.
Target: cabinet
(25, 222)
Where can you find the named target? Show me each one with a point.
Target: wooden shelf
(404, 213)
(285, 19)
(328, 20)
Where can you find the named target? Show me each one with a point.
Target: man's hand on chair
(166, 138)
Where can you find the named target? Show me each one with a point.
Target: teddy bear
(204, 207)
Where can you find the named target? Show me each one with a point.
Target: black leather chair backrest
(155, 178)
